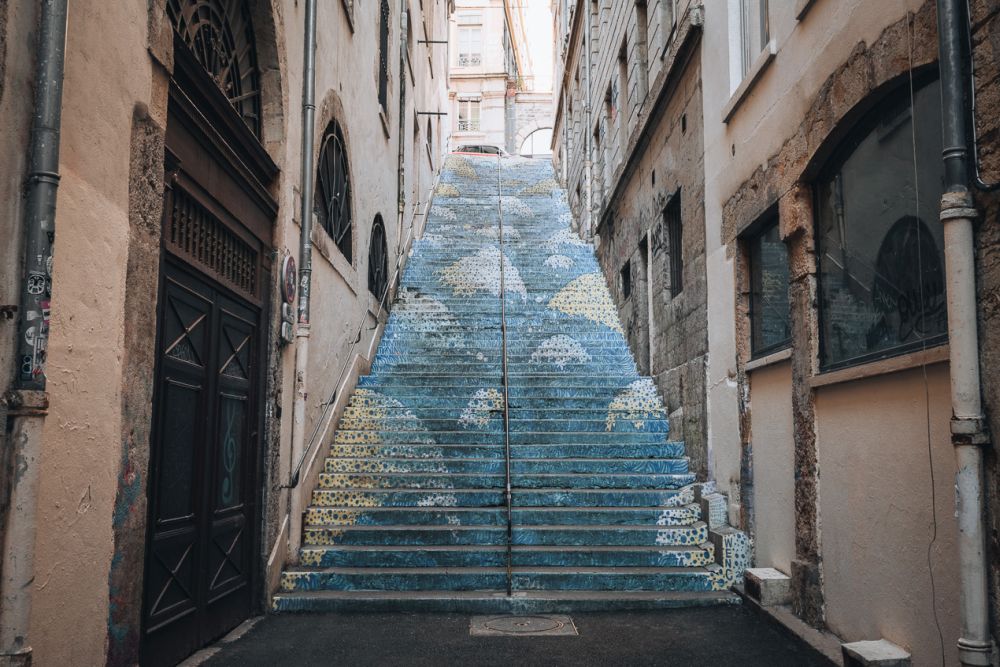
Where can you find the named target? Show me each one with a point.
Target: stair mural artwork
(410, 511)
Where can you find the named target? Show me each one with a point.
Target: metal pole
(508, 493)
(28, 402)
(588, 163)
(295, 504)
(401, 172)
(968, 427)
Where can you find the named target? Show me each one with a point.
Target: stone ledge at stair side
(768, 586)
(879, 653)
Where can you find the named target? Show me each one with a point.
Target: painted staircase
(410, 510)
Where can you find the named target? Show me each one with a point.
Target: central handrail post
(508, 496)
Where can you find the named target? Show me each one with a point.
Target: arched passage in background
(538, 143)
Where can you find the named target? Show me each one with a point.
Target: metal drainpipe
(401, 171)
(968, 426)
(588, 164)
(28, 403)
(295, 502)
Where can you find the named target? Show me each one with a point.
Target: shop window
(333, 191)
(881, 263)
(770, 314)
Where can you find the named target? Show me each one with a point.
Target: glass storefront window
(881, 264)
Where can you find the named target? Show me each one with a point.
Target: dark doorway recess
(203, 568)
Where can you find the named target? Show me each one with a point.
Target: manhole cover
(491, 626)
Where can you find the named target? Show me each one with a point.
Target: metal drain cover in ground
(523, 626)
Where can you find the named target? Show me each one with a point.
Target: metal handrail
(508, 495)
(322, 424)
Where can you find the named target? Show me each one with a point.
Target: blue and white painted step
(410, 510)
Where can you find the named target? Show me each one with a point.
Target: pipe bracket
(969, 431)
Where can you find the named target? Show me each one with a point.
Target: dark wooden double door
(200, 562)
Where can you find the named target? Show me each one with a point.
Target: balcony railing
(470, 59)
(468, 126)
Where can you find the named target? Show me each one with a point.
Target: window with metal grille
(673, 233)
(195, 233)
(468, 115)
(378, 260)
(220, 35)
(470, 40)
(383, 56)
(333, 191)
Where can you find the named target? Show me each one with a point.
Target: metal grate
(198, 235)
(220, 35)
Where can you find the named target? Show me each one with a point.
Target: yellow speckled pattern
(587, 296)
(480, 409)
(446, 190)
(637, 403)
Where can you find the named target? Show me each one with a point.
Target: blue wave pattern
(410, 510)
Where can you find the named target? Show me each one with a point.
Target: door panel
(200, 565)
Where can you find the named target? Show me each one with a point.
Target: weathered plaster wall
(829, 66)
(82, 434)
(876, 509)
(773, 458)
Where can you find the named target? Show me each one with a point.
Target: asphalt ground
(717, 636)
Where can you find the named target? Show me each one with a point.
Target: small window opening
(626, 280)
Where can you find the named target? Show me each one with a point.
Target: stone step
(452, 481)
(495, 602)
(497, 516)
(580, 383)
(590, 534)
(480, 418)
(521, 398)
(495, 498)
(346, 437)
(460, 408)
(496, 556)
(492, 578)
(668, 450)
(496, 465)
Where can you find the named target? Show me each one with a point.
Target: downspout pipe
(588, 163)
(295, 503)
(968, 425)
(404, 18)
(28, 402)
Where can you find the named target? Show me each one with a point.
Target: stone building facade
(494, 98)
(813, 148)
(644, 128)
(161, 322)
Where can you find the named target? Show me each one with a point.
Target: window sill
(743, 90)
(323, 244)
(933, 355)
(802, 8)
(769, 359)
